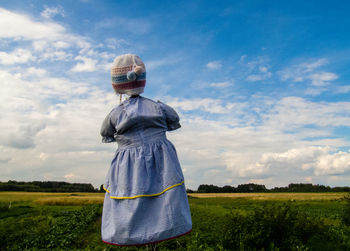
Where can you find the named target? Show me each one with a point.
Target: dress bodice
(138, 120)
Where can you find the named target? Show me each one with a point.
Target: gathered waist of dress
(138, 140)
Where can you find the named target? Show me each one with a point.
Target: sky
(262, 87)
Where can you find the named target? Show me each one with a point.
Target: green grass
(73, 221)
(317, 208)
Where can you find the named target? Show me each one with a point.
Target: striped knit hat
(128, 75)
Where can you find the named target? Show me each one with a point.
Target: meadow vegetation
(72, 221)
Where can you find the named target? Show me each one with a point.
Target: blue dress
(145, 200)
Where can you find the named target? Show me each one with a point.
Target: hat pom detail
(131, 75)
(138, 70)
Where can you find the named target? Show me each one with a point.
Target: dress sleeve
(172, 118)
(107, 130)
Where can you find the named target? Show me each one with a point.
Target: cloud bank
(51, 112)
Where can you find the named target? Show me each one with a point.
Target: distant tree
(307, 187)
(228, 189)
(208, 189)
(45, 186)
(251, 188)
(340, 189)
(189, 191)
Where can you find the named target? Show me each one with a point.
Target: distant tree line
(256, 188)
(46, 186)
(61, 186)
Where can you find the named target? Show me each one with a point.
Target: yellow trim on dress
(144, 195)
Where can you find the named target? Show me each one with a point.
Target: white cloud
(342, 89)
(301, 155)
(39, 41)
(333, 164)
(221, 84)
(309, 73)
(155, 64)
(256, 69)
(257, 62)
(40, 112)
(4, 160)
(254, 78)
(205, 104)
(69, 175)
(51, 12)
(131, 25)
(214, 65)
(225, 146)
(26, 105)
(319, 160)
(300, 72)
(36, 72)
(322, 78)
(40, 45)
(293, 112)
(37, 119)
(45, 40)
(18, 56)
(23, 27)
(263, 69)
(88, 64)
(309, 67)
(114, 43)
(277, 151)
(151, 65)
(50, 125)
(56, 56)
(259, 77)
(61, 45)
(314, 91)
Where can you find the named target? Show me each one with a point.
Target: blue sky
(262, 87)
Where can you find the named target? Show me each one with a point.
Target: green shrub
(346, 211)
(279, 227)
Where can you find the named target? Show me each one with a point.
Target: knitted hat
(128, 75)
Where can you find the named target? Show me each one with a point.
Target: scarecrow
(145, 200)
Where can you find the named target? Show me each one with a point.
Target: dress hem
(143, 244)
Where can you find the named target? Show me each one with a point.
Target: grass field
(37, 196)
(93, 198)
(62, 221)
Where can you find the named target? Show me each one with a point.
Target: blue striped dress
(145, 200)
